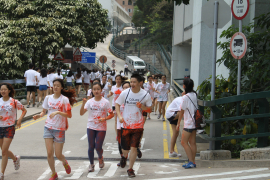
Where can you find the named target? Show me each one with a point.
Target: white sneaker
(17, 163)
(159, 116)
(174, 154)
(163, 119)
(1, 176)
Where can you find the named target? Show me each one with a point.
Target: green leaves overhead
(32, 29)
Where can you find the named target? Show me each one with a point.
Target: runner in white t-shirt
(163, 90)
(70, 78)
(37, 84)
(98, 107)
(86, 80)
(79, 79)
(106, 86)
(43, 85)
(136, 100)
(150, 88)
(59, 109)
(126, 69)
(8, 111)
(31, 79)
(155, 94)
(92, 77)
(188, 107)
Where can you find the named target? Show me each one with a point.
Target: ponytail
(70, 94)
(189, 85)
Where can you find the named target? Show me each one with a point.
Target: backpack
(198, 117)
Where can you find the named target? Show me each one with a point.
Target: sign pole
(58, 64)
(239, 66)
(213, 83)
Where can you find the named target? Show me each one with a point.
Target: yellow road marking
(36, 121)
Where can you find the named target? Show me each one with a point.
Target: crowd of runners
(133, 102)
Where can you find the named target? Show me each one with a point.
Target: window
(139, 63)
(123, 2)
(134, 4)
(129, 2)
(129, 10)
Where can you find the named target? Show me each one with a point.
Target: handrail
(164, 57)
(178, 89)
(166, 54)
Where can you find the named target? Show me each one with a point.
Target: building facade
(128, 5)
(193, 40)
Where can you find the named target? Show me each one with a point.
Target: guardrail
(17, 81)
(178, 89)
(164, 57)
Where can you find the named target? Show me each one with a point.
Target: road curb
(232, 163)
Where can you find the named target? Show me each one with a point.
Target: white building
(193, 40)
(117, 14)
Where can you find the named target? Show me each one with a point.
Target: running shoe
(174, 154)
(159, 116)
(67, 168)
(101, 163)
(184, 165)
(148, 118)
(28, 106)
(131, 173)
(91, 168)
(1, 176)
(139, 153)
(163, 119)
(190, 165)
(17, 162)
(118, 164)
(123, 162)
(54, 177)
(34, 104)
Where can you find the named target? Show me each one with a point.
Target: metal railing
(164, 57)
(178, 89)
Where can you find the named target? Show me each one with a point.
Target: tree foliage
(32, 29)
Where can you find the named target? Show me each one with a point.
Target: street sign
(59, 57)
(240, 8)
(113, 65)
(103, 59)
(77, 55)
(224, 13)
(88, 57)
(238, 45)
(113, 61)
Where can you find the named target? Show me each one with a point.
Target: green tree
(31, 30)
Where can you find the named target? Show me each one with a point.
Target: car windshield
(139, 63)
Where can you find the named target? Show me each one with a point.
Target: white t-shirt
(97, 74)
(8, 111)
(125, 66)
(96, 110)
(122, 74)
(79, 80)
(133, 118)
(150, 89)
(155, 94)
(86, 78)
(188, 106)
(93, 76)
(43, 81)
(174, 106)
(62, 104)
(163, 89)
(116, 93)
(113, 77)
(30, 77)
(58, 76)
(106, 89)
(51, 78)
(89, 92)
(37, 83)
(122, 107)
(69, 79)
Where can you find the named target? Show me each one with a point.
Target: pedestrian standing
(59, 109)
(70, 79)
(126, 69)
(163, 90)
(135, 100)
(8, 114)
(188, 108)
(31, 79)
(43, 85)
(98, 107)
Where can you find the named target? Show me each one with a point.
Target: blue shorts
(69, 83)
(43, 87)
(57, 135)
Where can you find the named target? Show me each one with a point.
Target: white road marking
(67, 152)
(111, 171)
(47, 171)
(78, 172)
(142, 143)
(136, 167)
(218, 174)
(84, 137)
(245, 177)
(93, 174)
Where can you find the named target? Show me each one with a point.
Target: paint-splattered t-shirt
(116, 93)
(133, 118)
(62, 104)
(189, 108)
(150, 88)
(163, 89)
(8, 111)
(119, 125)
(97, 110)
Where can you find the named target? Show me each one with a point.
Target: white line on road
(67, 152)
(245, 177)
(93, 174)
(78, 172)
(218, 174)
(111, 171)
(142, 143)
(83, 138)
(47, 171)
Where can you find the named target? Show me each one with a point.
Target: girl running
(86, 80)
(69, 79)
(79, 79)
(162, 89)
(98, 108)
(90, 93)
(106, 86)
(43, 84)
(188, 107)
(8, 114)
(125, 86)
(58, 75)
(59, 109)
(155, 94)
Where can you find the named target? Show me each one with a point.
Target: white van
(136, 64)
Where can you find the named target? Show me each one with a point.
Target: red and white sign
(238, 45)
(113, 61)
(113, 65)
(59, 57)
(240, 8)
(77, 55)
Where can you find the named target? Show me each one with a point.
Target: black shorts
(77, 84)
(130, 138)
(189, 130)
(7, 132)
(113, 108)
(31, 88)
(171, 119)
(144, 114)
